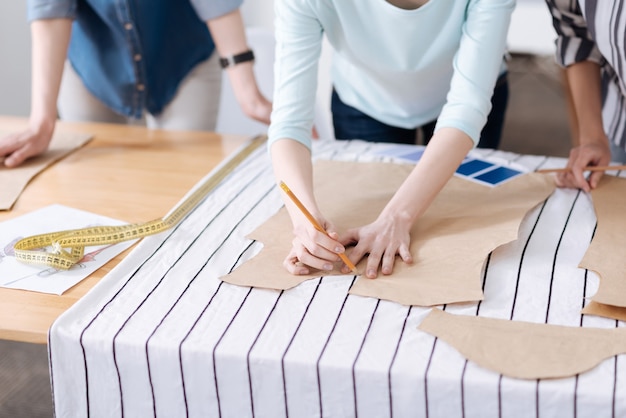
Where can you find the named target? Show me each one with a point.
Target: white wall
(14, 59)
(258, 13)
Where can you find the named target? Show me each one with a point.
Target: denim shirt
(133, 54)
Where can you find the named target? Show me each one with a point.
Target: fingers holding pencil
(574, 177)
(591, 158)
(317, 249)
(588, 168)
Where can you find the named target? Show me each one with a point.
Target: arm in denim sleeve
(210, 9)
(50, 38)
(574, 43)
(50, 9)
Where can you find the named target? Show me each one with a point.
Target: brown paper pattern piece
(605, 311)
(14, 180)
(606, 254)
(449, 243)
(525, 350)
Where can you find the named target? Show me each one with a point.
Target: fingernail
(338, 249)
(328, 266)
(303, 271)
(371, 274)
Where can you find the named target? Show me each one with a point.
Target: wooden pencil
(314, 222)
(590, 168)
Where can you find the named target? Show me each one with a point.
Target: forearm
(49, 50)
(442, 156)
(592, 146)
(585, 89)
(292, 164)
(229, 36)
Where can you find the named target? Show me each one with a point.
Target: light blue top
(401, 67)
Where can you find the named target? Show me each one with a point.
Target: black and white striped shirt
(594, 30)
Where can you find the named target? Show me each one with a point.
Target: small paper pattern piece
(605, 255)
(14, 180)
(525, 350)
(450, 242)
(606, 311)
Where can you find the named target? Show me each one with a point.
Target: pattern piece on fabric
(609, 201)
(14, 180)
(162, 336)
(449, 244)
(606, 311)
(525, 350)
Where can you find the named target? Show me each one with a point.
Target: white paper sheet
(17, 275)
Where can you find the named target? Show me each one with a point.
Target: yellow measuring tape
(68, 247)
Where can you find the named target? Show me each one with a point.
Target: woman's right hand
(17, 147)
(313, 249)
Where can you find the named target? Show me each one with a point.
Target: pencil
(590, 168)
(314, 222)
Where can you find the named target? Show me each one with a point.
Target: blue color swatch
(473, 166)
(497, 175)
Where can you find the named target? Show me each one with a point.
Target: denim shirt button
(128, 26)
(141, 87)
(137, 57)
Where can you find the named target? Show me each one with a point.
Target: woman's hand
(313, 249)
(592, 154)
(51, 38)
(382, 240)
(256, 106)
(19, 146)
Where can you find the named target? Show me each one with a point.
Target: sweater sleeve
(298, 47)
(574, 43)
(477, 65)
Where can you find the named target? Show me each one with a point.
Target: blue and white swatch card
(473, 168)
(486, 172)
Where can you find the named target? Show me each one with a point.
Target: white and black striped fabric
(595, 30)
(162, 336)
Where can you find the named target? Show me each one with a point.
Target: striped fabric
(595, 30)
(160, 335)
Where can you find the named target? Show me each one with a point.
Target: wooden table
(125, 172)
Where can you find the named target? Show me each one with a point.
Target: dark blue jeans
(350, 123)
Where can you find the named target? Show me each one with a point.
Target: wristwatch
(226, 62)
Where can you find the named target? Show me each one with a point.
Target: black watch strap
(237, 59)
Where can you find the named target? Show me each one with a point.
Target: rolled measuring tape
(63, 249)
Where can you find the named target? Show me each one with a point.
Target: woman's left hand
(383, 239)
